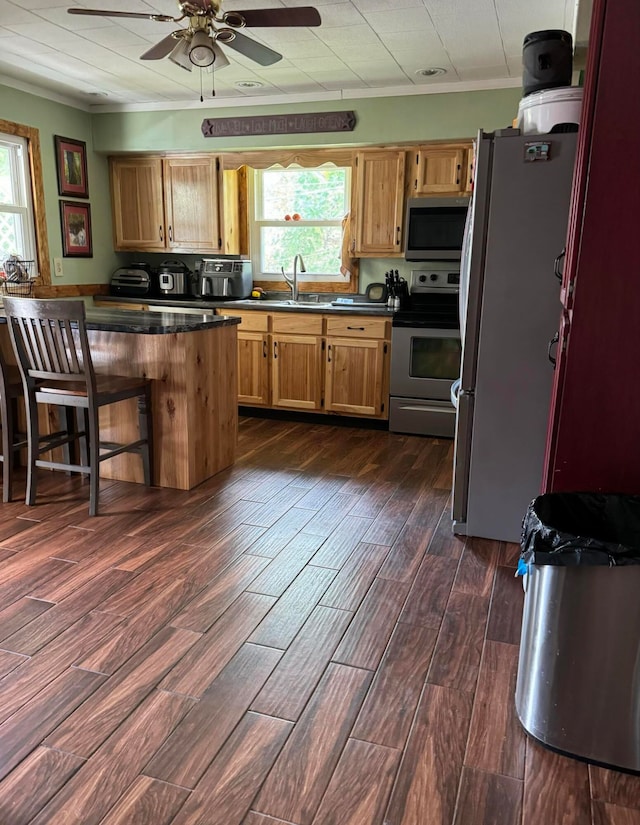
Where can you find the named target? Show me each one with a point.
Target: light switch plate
(57, 267)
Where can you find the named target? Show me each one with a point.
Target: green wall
(379, 120)
(51, 119)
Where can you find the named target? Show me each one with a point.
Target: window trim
(265, 159)
(32, 137)
(330, 279)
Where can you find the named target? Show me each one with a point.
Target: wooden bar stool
(52, 350)
(12, 441)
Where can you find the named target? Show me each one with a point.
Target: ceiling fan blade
(160, 18)
(301, 16)
(161, 49)
(253, 50)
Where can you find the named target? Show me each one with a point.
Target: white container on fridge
(539, 112)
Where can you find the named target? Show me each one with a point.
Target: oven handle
(423, 408)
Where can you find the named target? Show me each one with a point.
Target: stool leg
(7, 448)
(94, 459)
(82, 424)
(33, 441)
(66, 422)
(145, 424)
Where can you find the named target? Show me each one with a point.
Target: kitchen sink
(283, 303)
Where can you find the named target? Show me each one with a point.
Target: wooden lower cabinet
(355, 376)
(295, 361)
(357, 365)
(296, 372)
(253, 369)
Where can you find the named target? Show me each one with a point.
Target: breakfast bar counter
(191, 361)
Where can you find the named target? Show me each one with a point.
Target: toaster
(132, 282)
(218, 278)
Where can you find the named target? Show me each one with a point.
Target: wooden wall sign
(253, 126)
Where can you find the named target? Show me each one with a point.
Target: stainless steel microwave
(434, 228)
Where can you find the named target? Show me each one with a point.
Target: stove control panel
(428, 279)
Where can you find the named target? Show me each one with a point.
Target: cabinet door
(191, 203)
(136, 197)
(440, 170)
(296, 372)
(355, 376)
(379, 197)
(234, 218)
(253, 369)
(470, 161)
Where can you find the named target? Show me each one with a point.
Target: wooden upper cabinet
(137, 202)
(379, 202)
(176, 204)
(471, 167)
(191, 197)
(441, 170)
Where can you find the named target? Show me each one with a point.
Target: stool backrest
(49, 338)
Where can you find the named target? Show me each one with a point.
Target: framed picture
(71, 163)
(76, 229)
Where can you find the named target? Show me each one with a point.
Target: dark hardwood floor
(299, 640)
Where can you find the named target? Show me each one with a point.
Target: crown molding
(316, 97)
(38, 91)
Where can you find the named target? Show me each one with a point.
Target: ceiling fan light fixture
(221, 61)
(201, 52)
(180, 55)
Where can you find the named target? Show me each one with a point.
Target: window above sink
(300, 210)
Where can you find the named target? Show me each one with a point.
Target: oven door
(424, 362)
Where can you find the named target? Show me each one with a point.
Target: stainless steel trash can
(578, 684)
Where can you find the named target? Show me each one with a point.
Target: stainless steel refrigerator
(509, 312)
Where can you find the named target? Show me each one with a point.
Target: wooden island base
(195, 408)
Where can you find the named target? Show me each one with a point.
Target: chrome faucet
(293, 282)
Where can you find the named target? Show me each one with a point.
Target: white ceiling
(363, 47)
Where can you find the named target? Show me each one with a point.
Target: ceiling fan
(208, 26)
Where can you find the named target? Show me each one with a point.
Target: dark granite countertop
(264, 306)
(149, 323)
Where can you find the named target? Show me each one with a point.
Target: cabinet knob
(170, 234)
(264, 349)
(275, 349)
(329, 353)
(161, 234)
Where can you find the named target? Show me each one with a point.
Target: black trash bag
(570, 529)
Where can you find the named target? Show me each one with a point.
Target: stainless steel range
(425, 354)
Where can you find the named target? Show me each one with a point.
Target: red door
(594, 429)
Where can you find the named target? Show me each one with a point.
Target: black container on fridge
(547, 60)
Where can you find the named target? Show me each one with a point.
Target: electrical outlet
(57, 267)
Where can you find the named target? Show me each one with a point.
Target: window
(300, 210)
(17, 233)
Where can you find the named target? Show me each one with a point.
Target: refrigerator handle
(552, 344)
(455, 392)
(556, 265)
